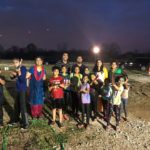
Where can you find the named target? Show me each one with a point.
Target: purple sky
(79, 23)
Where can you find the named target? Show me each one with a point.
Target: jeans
(124, 103)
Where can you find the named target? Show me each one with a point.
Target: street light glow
(96, 50)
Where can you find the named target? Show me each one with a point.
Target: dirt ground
(132, 135)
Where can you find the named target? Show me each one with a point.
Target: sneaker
(80, 126)
(107, 128)
(53, 123)
(1, 124)
(61, 125)
(117, 128)
(25, 126)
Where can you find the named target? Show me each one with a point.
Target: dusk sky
(79, 23)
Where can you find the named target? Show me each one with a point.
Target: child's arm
(116, 87)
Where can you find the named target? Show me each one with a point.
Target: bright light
(96, 50)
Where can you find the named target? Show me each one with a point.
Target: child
(106, 97)
(21, 87)
(67, 99)
(124, 100)
(116, 101)
(75, 87)
(2, 83)
(57, 95)
(85, 100)
(95, 89)
(86, 71)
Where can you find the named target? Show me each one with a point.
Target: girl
(75, 86)
(116, 101)
(124, 100)
(85, 100)
(2, 83)
(95, 90)
(86, 71)
(101, 74)
(100, 71)
(21, 87)
(37, 74)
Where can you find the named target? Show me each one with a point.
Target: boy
(57, 95)
(116, 101)
(2, 83)
(21, 87)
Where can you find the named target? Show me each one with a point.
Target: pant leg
(104, 107)
(125, 102)
(117, 114)
(109, 111)
(17, 108)
(23, 108)
(83, 112)
(87, 113)
(1, 114)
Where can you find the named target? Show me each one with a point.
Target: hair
(107, 80)
(114, 61)
(55, 68)
(39, 57)
(95, 69)
(118, 78)
(18, 59)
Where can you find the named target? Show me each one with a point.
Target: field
(41, 136)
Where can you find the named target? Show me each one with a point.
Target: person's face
(56, 72)
(64, 69)
(39, 62)
(86, 71)
(77, 70)
(114, 65)
(99, 63)
(121, 81)
(79, 59)
(65, 57)
(93, 77)
(85, 79)
(16, 63)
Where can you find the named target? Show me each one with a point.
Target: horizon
(76, 24)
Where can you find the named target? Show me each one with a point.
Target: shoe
(107, 128)
(25, 126)
(80, 126)
(117, 128)
(61, 125)
(1, 124)
(53, 123)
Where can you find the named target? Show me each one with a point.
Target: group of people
(74, 90)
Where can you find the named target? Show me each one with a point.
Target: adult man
(79, 63)
(64, 62)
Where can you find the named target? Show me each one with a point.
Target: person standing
(37, 74)
(64, 62)
(2, 83)
(21, 87)
(57, 95)
(79, 63)
(85, 101)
